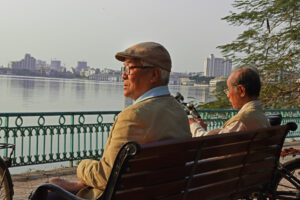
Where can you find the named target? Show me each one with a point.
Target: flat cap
(150, 52)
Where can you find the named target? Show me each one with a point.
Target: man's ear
(155, 75)
(242, 90)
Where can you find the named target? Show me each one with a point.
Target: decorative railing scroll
(55, 136)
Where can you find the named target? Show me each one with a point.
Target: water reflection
(80, 90)
(54, 86)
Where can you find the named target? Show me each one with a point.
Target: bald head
(249, 78)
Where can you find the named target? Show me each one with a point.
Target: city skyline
(223, 65)
(93, 31)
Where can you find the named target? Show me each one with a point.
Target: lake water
(32, 94)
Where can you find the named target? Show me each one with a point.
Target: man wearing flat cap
(155, 115)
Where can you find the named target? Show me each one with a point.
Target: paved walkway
(25, 183)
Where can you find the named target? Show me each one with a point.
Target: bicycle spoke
(286, 186)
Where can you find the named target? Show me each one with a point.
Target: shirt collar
(154, 92)
(255, 103)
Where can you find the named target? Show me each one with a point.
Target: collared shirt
(197, 130)
(154, 92)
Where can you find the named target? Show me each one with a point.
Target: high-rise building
(56, 65)
(28, 62)
(40, 64)
(81, 65)
(214, 67)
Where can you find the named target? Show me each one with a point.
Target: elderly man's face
(138, 80)
(235, 94)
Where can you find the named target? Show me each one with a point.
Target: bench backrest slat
(166, 189)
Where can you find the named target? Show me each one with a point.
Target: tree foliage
(201, 79)
(270, 43)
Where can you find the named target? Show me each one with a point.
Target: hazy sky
(94, 30)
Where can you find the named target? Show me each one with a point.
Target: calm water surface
(30, 94)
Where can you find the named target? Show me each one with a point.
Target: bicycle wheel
(6, 186)
(287, 182)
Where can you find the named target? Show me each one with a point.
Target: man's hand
(199, 121)
(67, 185)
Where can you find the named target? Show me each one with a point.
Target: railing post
(6, 124)
(71, 141)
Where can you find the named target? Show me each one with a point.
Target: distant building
(28, 63)
(214, 67)
(196, 74)
(40, 64)
(107, 75)
(82, 66)
(175, 78)
(214, 82)
(88, 72)
(56, 65)
(187, 81)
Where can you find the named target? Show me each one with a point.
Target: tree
(221, 102)
(272, 44)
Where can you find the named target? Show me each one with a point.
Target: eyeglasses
(126, 70)
(226, 91)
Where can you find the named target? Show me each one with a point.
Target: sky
(95, 30)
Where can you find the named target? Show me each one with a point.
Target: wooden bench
(227, 166)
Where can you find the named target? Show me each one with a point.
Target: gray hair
(164, 74)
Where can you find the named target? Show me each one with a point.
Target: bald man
(243, 92)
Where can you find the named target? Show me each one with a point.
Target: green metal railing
(55, 136)
(48, 137)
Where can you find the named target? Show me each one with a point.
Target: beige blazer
(153, 119)
(251, 115)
